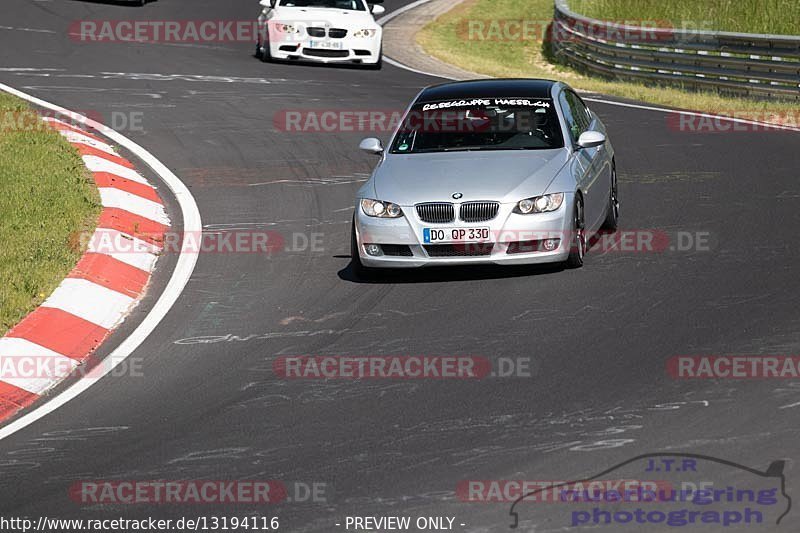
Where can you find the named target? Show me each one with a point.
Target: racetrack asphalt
(207, 404)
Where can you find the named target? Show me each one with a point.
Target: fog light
(550, 244)
(373, 249)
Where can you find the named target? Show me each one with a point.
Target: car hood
(337, 18)
(502, 176)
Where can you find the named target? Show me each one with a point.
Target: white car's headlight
(365, 33)
(287, 28)
(376, 208)
(540, 204)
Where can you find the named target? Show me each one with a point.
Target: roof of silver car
(491, 88)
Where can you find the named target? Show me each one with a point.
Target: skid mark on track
(667, 177)
(177, 77)
(249, 226)
(288, 172)
(32, 30)
(333, 180)
(52, 446)
(80, 434)
(300, 318)
(270, 393)
(84, 89)
(728, 302)
(27, 70)
(231, 337)
(696, 443)
(216, 454)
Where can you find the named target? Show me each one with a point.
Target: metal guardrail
(755, 65)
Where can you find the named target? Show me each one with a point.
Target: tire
(358, 269)
(611, 222)
(264, 54)
(258, 51)
(379, 64)
(577, 249)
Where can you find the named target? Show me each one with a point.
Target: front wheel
(379, 64)
(263, 52)
(612, 218)
(577, 249)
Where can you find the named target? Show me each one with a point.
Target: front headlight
(540, 204)
(376, 208)
(287, 28)
(365, 33)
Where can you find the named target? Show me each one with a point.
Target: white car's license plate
(327, 45)
(450, 235)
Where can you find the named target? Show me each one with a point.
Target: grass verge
(446, 39)
(46, 196)
(781, 17)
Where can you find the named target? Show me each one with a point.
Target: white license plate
(327, 45)
(449, 235)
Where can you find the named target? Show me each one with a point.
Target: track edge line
(183, 270)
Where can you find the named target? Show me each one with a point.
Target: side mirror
(268, 3)
(591, 139)
(372, 145)
(378, 10)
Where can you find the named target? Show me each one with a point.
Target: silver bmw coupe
(515, 171)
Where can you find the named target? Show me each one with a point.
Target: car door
(596, 184)
(581, 161)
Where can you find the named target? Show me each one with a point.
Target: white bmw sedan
(328, 31)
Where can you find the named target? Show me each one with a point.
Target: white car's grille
(333, 33)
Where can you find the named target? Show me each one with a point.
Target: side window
(579, 112)
(584, 110)
(572, 124)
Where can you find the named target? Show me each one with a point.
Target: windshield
(479, 124)
(351, 5)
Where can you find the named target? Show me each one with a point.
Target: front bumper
(506, 228)
(365, 50)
